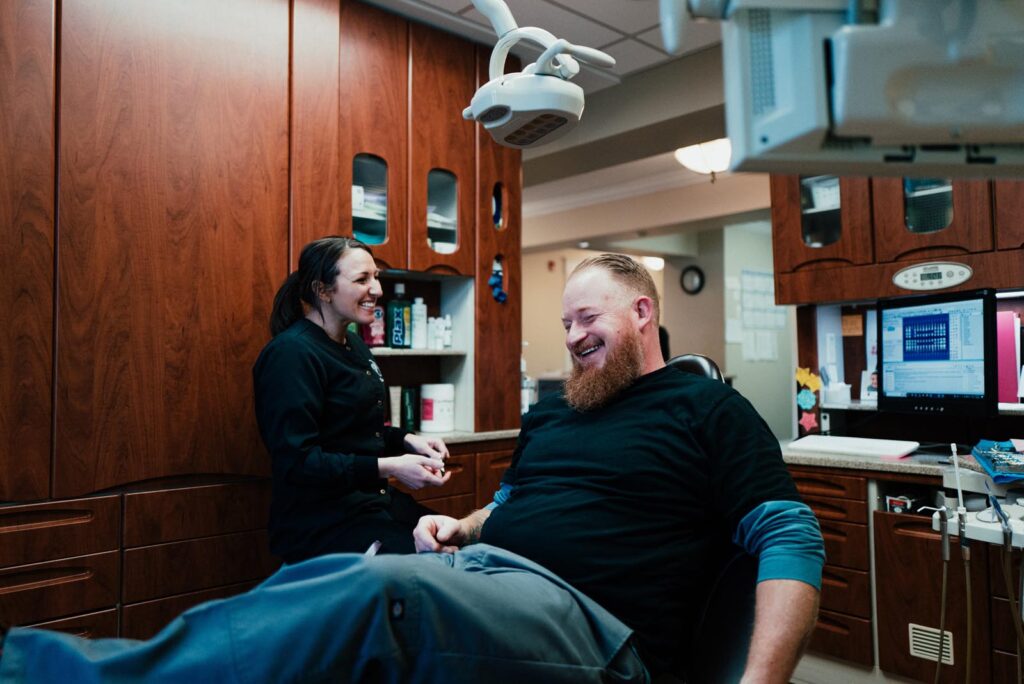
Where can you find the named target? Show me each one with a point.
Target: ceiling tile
(629, 16)
(697, 35)
(564, 24)
(631, 56)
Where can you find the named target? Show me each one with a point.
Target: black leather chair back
(698, 364)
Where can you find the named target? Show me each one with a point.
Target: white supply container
(437, 408)
(419, 324)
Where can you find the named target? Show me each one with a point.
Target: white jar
(437, 408)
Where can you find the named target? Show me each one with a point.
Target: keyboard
(853, 446)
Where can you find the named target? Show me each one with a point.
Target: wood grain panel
(26, 247)
(843, 636)
(908, 582)
(1008, 201)
(316, 188)
(374, 116)
(970, 230)
(854, 245)
(1004, 667)
(167, 569)
(443, 73)
(42, 532)
(499, 325)
(144, 620)
(463, 481)
(846, 591)
(846, 544)
(1000, 270)
(843, 510)
(173, 514)
(32, 593)
(99, 625)
(174, 200)
(816, 483)
(490, 467)
(454, 506)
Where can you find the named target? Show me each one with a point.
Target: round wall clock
(692, 280)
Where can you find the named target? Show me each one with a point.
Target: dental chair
(722, 636)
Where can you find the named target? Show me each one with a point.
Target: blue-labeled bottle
(399, 320)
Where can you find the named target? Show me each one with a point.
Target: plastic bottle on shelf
(419, 324)
(447, 331)
(377, 337)
(399, 320)
(526, 386)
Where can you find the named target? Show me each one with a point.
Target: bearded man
(591, 565)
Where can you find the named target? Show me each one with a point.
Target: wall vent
(924, 643)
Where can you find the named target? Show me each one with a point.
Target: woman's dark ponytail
(318, 268)
(287, 305)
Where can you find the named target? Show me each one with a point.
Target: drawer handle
(32, 520)
(834, 580)
(37, 579)
(829, 625)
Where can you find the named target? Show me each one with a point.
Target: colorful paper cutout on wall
(808, 421)
(806, 399)
(806, 378)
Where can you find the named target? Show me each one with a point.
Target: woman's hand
(413, 470)
(428, 446)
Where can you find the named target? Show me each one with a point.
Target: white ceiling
(625, 29)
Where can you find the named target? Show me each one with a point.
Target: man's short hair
(627, 271)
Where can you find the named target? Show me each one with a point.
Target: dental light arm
(539, 104)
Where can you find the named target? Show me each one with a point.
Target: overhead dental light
(707, 157)
(539, 104)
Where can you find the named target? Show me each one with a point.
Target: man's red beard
(590, 388)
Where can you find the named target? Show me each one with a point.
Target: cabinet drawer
(823, 484)
(42, 532)
(463, 480)
(490, 467)
(1003, 635)
(143, 620)
(41, 591)
(843, 636)
(455, 506)
(189, 512)
(180, 567)
(99, 625)
(846, 591)
(843, 510)
(1004, 667)
(846, 544)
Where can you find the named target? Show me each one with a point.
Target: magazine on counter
(1001, 460)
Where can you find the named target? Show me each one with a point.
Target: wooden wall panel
(374, 116)
(26, 246)
(499, 340)
(443, 70)
(316, 190)
(173, 239)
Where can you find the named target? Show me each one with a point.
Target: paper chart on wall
(759, 319)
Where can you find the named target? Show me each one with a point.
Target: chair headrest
(698, 364)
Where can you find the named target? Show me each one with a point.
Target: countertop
(460, 437)
(915, 464)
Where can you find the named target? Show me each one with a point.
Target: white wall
(769, 385)
(696, 323)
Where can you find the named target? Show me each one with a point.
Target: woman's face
(356, 289)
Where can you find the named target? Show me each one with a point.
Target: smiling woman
(320, 408)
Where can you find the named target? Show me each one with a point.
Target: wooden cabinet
(374, 124)
(27, 140)
(794, 246)
(442, 152)
(174, 235)
(908, 581)
(968, 222)
(844, 621)
(1008, 207)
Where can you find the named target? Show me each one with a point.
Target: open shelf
(388, 351)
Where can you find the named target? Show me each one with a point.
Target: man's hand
(413, 470)
(443, 534)
(434, 447)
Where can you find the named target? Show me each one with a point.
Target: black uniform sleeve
(394, 441)
(746, 463)
(289, 385)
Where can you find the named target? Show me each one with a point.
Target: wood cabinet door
(443, 73)
(792, 253)
(26, 247)
(969, 230)
(374, 118)
(173, 238)
(908, 581)
(490, 467)
(499, 236)
(1008, 198)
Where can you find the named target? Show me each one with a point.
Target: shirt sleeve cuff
(394, 440)
(365, 472)
(785, 537)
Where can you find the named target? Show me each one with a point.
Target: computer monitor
(937, 354)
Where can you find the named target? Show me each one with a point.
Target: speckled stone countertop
(915, 464)
(463, 437)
